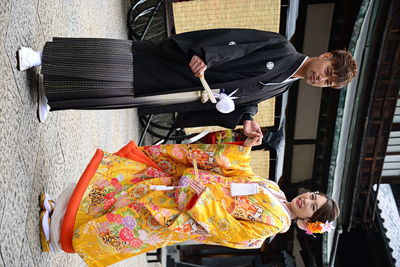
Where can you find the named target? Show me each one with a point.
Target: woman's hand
(196, 186)
(197, 66)
(252, 141)
(252, 130)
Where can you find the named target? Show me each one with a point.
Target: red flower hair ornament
(317, 227)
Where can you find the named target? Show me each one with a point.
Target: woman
(140, 199)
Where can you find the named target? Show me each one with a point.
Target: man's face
(319, 72)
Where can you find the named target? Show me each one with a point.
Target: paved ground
(37, 157)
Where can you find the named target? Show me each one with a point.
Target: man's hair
(344, 67)
(327, 212)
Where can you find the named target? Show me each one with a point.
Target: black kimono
(256, 62)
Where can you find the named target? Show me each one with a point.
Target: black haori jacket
(235, 58)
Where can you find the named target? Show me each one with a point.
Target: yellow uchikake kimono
(120, 216)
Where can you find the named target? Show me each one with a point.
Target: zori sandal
(47, 203)
(45, 231)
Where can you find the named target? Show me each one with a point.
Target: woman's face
(303, 206)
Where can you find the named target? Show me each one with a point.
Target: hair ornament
(319, 227)
(315, 227)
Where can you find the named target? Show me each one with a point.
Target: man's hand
(253, 130)
(197, 66)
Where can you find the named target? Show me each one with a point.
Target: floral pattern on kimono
(220, 158)
(121, 216)
(238, 222)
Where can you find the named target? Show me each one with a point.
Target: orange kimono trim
(130, 151)
(133, 152)
(67, 226)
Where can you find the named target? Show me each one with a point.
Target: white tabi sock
(29, 58)
(35, 58)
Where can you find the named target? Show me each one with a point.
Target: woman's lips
(299, 203)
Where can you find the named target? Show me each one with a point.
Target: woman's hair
(327, 212)
(344, 67)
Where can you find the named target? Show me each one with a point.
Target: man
(250, 64)
(261, 64)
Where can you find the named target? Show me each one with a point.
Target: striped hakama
(88, 73)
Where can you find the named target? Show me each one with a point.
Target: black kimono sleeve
(213, 46)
